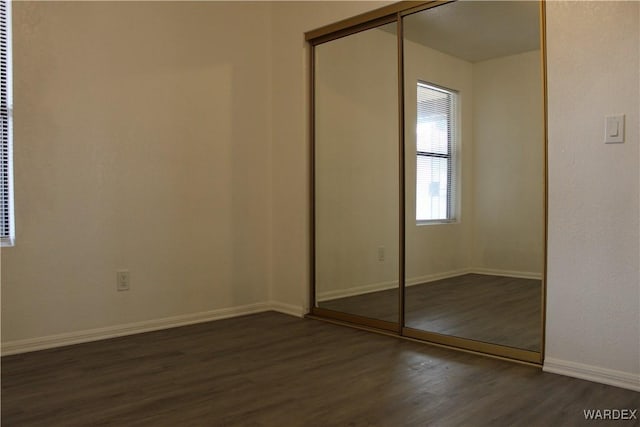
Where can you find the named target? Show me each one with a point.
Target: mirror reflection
(356, 174)
(474, 173)
(474, 146)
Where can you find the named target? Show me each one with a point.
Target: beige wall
(141, 143)
(508, 165)
(593, 302)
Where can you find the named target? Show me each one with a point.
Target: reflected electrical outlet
(380, 253)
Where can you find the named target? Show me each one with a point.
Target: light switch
(614, 129)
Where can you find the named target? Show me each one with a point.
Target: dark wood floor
(275, 370)
(495, 309)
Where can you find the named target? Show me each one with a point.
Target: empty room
(320, 213)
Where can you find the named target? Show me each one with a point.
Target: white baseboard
(592, 373)
(506, 273)
(292, 310)
(59, 340)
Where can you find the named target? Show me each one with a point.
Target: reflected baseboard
(507, 273)
(383, 286)
(356, 290)
(421, 280)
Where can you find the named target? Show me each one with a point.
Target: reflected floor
(495, 309)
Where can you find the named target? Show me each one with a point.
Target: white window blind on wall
(6, 160)
(435, 149)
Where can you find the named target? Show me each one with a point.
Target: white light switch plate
(614, 129)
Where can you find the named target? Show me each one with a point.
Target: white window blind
(6, 158)
(435, 153)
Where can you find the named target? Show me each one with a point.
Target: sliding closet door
(475, 171)
(356, 178)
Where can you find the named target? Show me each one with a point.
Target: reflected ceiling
(476, 30)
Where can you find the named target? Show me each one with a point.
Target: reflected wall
(356, 173)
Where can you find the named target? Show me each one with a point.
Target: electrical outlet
(381, 253)
(122, 281)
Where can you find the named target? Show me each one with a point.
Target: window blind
(6, 196)
(435, 149)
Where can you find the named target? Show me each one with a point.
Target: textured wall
(593, 303)
(141, 143)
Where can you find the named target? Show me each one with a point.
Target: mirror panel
(474, 168)
(356, 179)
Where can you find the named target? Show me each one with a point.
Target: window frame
(6, 139)
(452, 215)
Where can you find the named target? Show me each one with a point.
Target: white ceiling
(476, 30)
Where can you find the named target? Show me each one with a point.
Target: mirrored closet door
(356, 176)
(429, 174)
(474, 167)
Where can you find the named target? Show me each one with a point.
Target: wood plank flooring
(271, 369)
(494, 309)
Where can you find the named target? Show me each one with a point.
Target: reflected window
(435, 153)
